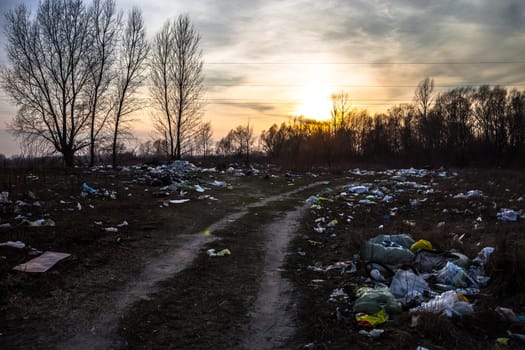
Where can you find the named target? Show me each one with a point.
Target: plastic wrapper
(454, 275)
(366, 320)
(438, 304)
(408, 287)
(421, 244)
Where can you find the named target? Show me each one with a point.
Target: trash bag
(477, 269)
(388, 249)
(456, 276)
(408, 287)
(373, 300)
(427, 261)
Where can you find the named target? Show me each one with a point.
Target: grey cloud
(255, 106)
(221, 82)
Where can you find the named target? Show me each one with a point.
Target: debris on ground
(42, 263)
(404, 266)
(223, 252)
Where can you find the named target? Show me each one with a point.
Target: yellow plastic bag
(366, 320)
(421, 244)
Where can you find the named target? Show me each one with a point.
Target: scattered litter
(42, 263)
(332, 223)
(4, 197)
(312, 200)
(369, 321)
(344, 266)
(506, 314)
(110, 229)
(15, 244)
(39, 222)
(123, 223)
(86, 188)
(374, 333)
(358, 189)
(316, 243)
(224, 252)
(516, 335)
(470, 194)
(338, 295)
(507, 215)
(502, 341)
(178, 201)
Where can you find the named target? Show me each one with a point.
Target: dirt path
(272, 324)
(101, 333)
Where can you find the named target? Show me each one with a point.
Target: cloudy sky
(266, 61)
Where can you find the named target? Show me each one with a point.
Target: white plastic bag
(455, 276)
(407, 286)
(438, 304)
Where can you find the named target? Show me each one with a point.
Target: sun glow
(314, 102)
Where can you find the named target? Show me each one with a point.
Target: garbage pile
(424, 279)
(181, 172)
(26, 211)
(395, 272)
(176, 172)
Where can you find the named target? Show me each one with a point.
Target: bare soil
(152, 285)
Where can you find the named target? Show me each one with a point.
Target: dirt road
(271, 317)
(272, 320)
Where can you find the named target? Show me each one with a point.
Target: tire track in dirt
(102, 331)
(272, 324)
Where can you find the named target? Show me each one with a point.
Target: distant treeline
(483, 126)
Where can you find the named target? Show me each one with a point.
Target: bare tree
(424, 97)
(516, 117)
(340, 110)
(177, 82)
(130, 75)
(489, 112)
(204, 135)
(225, 145)
(243, 140)
(423, 100)
(48, 74)
(105, 25)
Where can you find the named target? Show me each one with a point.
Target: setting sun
(314, 102)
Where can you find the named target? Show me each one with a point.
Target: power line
(293, 101)
(369, 63)
(366, 85)
(386, 103)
